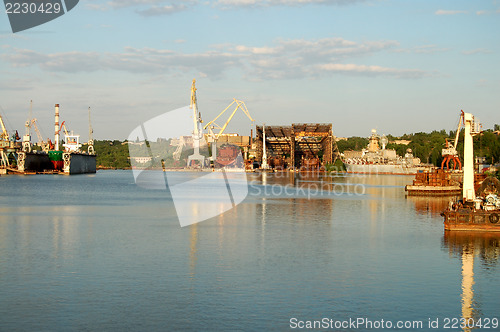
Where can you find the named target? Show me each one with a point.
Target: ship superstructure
(380, 160)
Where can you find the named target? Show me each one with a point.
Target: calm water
(97, 253)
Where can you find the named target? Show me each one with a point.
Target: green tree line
(426, 146)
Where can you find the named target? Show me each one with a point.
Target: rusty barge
(474, 212)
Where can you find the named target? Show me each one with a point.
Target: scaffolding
(299, 145)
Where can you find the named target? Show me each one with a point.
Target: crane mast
(5, 134)
(197, 131)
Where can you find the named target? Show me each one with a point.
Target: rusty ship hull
(472, 220)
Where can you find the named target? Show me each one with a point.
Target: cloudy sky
(395, 65)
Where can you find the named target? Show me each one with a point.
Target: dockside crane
(197, 131)
(4, 136)
(32, 123)
(212, 125)
(450, 153)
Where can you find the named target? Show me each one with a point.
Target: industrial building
(301, 145)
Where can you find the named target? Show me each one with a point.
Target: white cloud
(161, 10)
(133, 3)
(267, 3)
(97, 7)
(145, 7)
(450, 12)
(372, 70)
(165, 7)
(286, 59)
(423, 49)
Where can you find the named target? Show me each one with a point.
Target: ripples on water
(97, 252)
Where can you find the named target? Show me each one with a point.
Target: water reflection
(193, 250)
(374, 192)
(468, 246)
(430, 205)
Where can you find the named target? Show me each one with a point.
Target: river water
(99, 253)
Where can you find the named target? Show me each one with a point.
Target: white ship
(379, 160)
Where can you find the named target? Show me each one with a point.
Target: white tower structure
(57, 128)
(264, 154)
(472, 128)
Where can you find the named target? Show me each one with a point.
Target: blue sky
(397, 66)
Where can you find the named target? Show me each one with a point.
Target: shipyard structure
(51, 158)
(296, 147)
(300, 146)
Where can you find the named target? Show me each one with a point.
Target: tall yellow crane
(4, 135)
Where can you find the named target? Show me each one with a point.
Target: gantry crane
(212, 125)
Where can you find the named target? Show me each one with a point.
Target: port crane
(197, 132)
(31, 122)
(63, 126)
(212, 125)
(26, 140)
(450, 153)
(4, 136)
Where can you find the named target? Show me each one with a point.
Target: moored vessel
(379, 160)
(437, 182)
(73, 159)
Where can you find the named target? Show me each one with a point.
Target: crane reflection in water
(469, 246)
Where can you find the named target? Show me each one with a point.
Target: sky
(398, 66)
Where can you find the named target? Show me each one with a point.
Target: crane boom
(38, 134)
(239, 105)
(458, 130)
(4, 135)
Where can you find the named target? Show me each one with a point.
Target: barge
(437, 182)
(473, 213)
